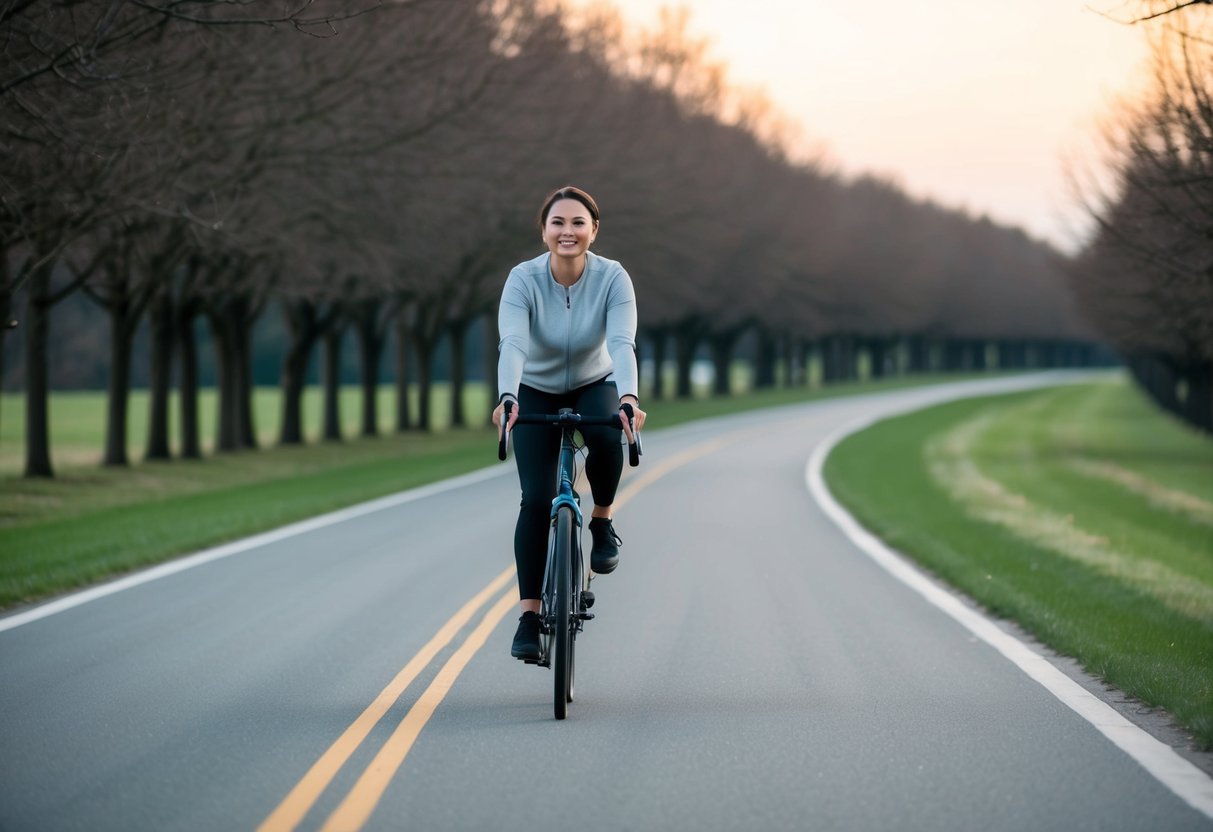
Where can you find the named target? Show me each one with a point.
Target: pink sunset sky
(977, 104)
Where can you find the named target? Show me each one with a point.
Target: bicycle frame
(565, 598)
(566, 499)
(566, 472)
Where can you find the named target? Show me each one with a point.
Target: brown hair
(567, 192)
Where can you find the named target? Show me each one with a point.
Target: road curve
(749, 668)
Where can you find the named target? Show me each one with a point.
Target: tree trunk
(118, 394)
(1067, 354)
(425, 381)
(981, 361)
(231, 325)
(722, 358)
(850, 354)
(850, 358)
(1157, 379)
(404, 420)
(157, 298)
(227, 435)
(331, 430)
(7, 322)
(1032, 354)
(37, 382)
(457, 332)
(920, 354)
(427, 330)
(491, 338)
(1198, 398)
(243, 338)
(370, 349)
(765, 361)
(301, 324)
(1013, 355)
(191, 436)
(160, 318)
(810, 362)
(878, 357)
(831, 363)
(1002, 354)
(791, 369)
(838, 359)
(953, 355)
(686, 342)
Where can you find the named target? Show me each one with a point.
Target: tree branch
(1153, 15)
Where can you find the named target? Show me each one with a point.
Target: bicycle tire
(576, 579)
(563, 620)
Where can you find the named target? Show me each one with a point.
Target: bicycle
(566, 597)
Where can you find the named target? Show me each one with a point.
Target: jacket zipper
(568, 339)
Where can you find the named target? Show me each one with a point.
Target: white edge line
(236, 547)
(1183, 778)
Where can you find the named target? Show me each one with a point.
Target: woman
(568, 339)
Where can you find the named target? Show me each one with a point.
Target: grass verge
(1079, 512)
(91, 523)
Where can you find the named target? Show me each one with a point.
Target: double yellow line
(354, 811)
(362, 799)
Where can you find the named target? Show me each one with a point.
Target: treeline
(1146, 280)
(374, 169)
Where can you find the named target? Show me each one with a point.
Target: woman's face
(569, 229)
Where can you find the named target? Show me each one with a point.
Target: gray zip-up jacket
(557, 339)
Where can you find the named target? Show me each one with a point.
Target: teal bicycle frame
(566, 597)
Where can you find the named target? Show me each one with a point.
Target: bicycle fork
(566, 497)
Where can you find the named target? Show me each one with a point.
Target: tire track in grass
(1093, 407)
(950, 462)
(1159, 496)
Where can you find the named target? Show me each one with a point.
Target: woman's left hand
(638, 417)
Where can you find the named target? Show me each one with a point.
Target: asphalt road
(749, 669)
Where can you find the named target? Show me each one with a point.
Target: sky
(976, 104)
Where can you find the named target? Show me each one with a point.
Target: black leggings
(537, 451)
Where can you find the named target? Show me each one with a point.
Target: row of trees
(374, 169)
(1146, 279)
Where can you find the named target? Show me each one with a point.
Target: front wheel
(563, 621)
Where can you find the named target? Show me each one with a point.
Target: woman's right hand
(499, 413)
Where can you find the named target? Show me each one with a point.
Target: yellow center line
(296, 805)
(358, 805)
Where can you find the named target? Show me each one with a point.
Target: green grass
(90, 523)
(76, 538)
(1079, 512)
(77, 420)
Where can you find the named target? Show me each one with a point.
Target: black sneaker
(604, 556)
(526, 640)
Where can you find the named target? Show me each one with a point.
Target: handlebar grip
(634, 448)
(503, 440)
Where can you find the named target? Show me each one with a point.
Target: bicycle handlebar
(563, 420)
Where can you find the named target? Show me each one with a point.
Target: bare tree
(1146, 279)
(381, 176)
(83, 95)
